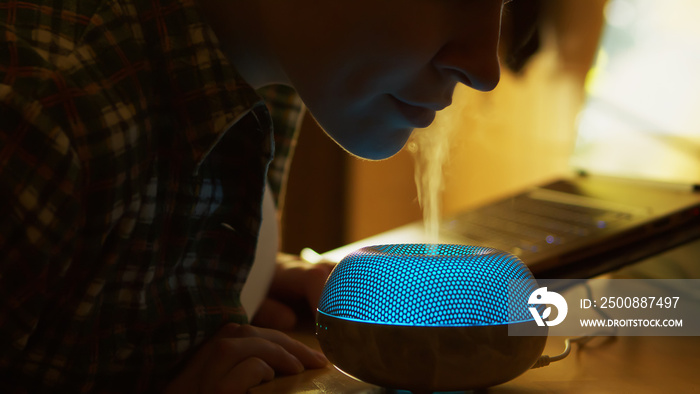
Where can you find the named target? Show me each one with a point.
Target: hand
(296, 284)
(239, 357)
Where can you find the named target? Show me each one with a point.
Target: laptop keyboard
(523, 225)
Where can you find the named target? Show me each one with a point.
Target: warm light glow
(641, 118)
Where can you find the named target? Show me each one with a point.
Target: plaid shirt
(132, 165)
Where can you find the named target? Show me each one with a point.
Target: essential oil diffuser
(426, 317)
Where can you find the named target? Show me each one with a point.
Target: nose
(471, 55)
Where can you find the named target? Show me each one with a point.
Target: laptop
(635, 184)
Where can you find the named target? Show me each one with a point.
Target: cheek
(364, 63)
(387, 67)
(345, 84)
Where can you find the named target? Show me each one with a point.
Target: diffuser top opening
(427, 250)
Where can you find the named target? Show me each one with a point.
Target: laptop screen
(642, 113)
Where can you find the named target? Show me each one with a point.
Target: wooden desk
(605, 365)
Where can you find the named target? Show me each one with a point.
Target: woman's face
(370, 71)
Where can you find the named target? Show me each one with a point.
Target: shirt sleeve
(39, 217)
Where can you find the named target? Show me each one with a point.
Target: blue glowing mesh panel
(424, 284)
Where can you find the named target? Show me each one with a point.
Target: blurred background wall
(517, 135)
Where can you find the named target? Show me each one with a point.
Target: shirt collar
(206, 92)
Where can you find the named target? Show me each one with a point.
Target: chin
(378, 154)
(366, 134)
(369, 140)
(373, 147)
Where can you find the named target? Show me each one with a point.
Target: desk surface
(604, 365)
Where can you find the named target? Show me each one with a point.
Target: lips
(419, 116)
